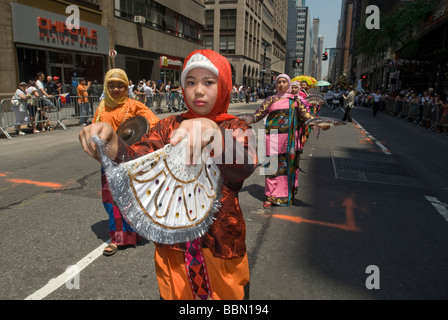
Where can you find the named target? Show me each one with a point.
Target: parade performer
(214, 266)
(115, 109)
(286, 114)
(304, 130)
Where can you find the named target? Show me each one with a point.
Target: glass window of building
(228, 19)
(227, 45)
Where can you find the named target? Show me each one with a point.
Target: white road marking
(59, 281)
(440, 206)
(379, 144)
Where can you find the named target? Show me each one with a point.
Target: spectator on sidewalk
(18, 103)
(174, 96)
(167, 91)
(44, 102)
(131, 90)
(83, 101)
(32, 103)
(442, 103)
(159, 96)
(149, 94)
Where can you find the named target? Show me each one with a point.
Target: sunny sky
(328, 12)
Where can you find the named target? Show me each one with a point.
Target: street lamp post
(266, 45)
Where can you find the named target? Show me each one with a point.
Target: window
(208, 42)
(209, 19)
(227, 45)
(228, 19)
(159, 18)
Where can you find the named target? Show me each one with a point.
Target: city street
(370, 220)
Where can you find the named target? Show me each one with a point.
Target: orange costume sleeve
(117, 116)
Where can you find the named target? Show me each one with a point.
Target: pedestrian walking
(214, 266)
(349, 103)
(115, 109)
(285, 114)
(376, 97)
(336, 99)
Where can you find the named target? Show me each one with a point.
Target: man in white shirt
(168, 95)
(149, 94)
(44, 96)
(349, 103)
(376, 102)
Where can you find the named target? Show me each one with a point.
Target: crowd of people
(152, 93)
(33, 100)
(406, 103)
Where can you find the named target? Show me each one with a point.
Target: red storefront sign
(168, 62)
(58, 31)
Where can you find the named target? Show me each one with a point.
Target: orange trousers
(228, 277)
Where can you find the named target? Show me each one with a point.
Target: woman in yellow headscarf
(115, 109)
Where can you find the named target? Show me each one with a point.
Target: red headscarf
(220, 66)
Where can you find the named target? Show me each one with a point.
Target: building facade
(428, 67)
(152, 38)
(251, 35)
(149, 39)
(298, 39)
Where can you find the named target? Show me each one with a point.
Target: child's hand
(200, 133)
(105, 132)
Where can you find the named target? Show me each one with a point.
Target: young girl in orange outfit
(214, 266)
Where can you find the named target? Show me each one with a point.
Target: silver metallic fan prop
(162, 198)
(323, 121)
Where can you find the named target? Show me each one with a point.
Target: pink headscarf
(287, 93)
(301, 95)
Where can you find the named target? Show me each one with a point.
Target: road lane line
(377, 142)
(59, 281)
(440, 206)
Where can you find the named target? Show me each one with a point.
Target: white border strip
(57, 282)
(379, 144)
(440, 206)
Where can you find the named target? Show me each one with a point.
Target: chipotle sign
(43, 28)
(58, 31)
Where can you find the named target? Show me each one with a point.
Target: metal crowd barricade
(71, 109)
(427, 115)
(157, 102)
(48, 110)
(177, 101)
(236, 97)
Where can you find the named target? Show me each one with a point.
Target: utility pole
(266, 45)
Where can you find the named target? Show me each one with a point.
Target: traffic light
(325, 56)
(298, 63)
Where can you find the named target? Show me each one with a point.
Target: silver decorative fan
(162, 198)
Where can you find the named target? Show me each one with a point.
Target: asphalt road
(368, 223)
